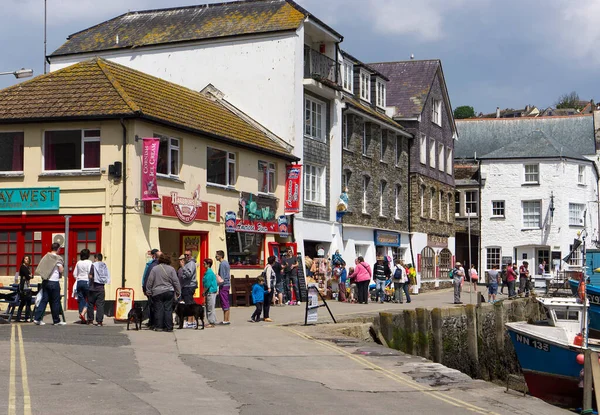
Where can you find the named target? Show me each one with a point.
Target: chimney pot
(497, 112)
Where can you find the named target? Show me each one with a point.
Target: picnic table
(9, 294)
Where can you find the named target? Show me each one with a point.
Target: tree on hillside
(570, 100)
(464, 111)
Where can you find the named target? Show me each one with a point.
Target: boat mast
(584, 322)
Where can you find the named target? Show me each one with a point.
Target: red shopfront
(32, 235)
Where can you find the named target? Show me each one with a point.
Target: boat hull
(554, 389)
(593, 294)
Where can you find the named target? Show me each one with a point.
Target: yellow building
(73, 144)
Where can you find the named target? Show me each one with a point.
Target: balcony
(320, 67)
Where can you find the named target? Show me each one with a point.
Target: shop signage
(282, 224)
(124, 303)
(383, 238)
(230, 221)
(437, 241)
(186, 209)
(255, 208)
(257, 227)
(292, 188)
(30, 198)
(149, 161)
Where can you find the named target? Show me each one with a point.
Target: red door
(203, 251)
(79, 239)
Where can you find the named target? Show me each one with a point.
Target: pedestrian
(224, 272)
(524, 279)
(511, 277)
(353, 286)
(81, 272)
(493, 277)
(290, 269)
(209, 282)
(458, 278)
(163, 286)
(270, 279)
(362, 273)
(180, 272)
(189, 286)
(25, 289)
(258, 296)
(98, 278)
(155, 253)
(473, 277)
(343, 279)
(50, 268)
(400, 281)
(541, 268)
(278, 297)
(503, 275)
(381, 273)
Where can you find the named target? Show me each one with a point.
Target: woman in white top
(82, 276)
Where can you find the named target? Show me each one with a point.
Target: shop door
(445, 262)
(427, 263)
(78, 240)
(198, 244)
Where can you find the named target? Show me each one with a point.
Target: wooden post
(587, 382)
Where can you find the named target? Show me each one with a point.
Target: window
(448, 207)
(397, 193)
(581, 175)
(347, 76)
(346, 180)
(532, 214)
(8, 253)
(11, 156)
(365, 141)
(436, 111)
(383, 146)
(575, 257)
(72, 150)
(457, 204)
(449, 161)
(380, 89)
(220, 167)
(365, 194)
(576, 214)
(345, 135)
(432, 154)
(365, 86)
(498, 208)
(422, 199)
(493, 258)
(314, 119)
(168, 156)
(440, 196)
(471, 202)
(382, 186)
(398, 151)
(314, 184)
(532, 173)
(423, 149)
(245, 249)
(266, 177)
(441, 159)
(431, 199)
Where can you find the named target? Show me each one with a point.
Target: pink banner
(149, 161)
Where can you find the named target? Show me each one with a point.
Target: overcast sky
(494, 53)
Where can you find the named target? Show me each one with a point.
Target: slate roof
(542, 147)
(483, 137)
(410, 82)
(184, 24)
(367, 109)
(100, 89)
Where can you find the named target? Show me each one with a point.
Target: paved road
(245, 368)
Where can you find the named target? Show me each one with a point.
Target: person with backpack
(400, 282)
(381, 273)
(50, 269)
(458, 277)
(99, 277)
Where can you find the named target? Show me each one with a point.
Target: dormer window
(380, 101)
(348, 76)
(365, 86)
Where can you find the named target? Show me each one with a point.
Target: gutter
(124, 179)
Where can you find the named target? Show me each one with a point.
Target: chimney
(497, 112)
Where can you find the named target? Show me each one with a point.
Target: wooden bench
(241, 291)
(9, 296)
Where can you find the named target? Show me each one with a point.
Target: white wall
(504, 181)
(260, 75)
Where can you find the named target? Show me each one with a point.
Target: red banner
(149, 161)
(292, 188)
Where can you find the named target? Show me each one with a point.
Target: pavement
(245, 368)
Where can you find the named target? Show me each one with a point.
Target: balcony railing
(320, 67)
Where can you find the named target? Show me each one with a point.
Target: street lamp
(21, 73)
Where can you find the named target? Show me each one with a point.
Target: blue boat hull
(593, 295)
(550, 369)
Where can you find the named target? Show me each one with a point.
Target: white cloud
(578, 32)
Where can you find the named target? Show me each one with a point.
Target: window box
(71, 150)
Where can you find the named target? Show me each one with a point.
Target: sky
(503, 54)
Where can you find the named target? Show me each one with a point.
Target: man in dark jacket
(381, 273)
(154, 262)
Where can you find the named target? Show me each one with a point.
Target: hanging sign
(149, 162)
(292, 188)
(230, 221)
(186, 208)
(282, 224)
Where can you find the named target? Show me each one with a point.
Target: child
(342, 279)
(258, 297)
(353, 287)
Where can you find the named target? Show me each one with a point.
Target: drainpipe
(337, 63)
(479, 224)
(124, 179)
(412, 255)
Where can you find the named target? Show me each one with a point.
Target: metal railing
(320, 67)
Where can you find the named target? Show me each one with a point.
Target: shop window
(11, 156)
(266, 177)
(8, 253)
(245, 249)
(72, 150)
(220, 167)
(168, 156)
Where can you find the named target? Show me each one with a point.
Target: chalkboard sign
(301, 279)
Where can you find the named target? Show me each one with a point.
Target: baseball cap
(154, 251)
(457, 263)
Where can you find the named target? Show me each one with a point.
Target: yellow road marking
(12, 399)
(26, 396)
(412, 384)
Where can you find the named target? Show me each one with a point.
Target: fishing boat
(593, 295)
(548, 351)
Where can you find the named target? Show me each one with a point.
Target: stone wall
(471, 339)
(431, 223)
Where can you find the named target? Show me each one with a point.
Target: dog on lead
(135, 316)
(190, 310)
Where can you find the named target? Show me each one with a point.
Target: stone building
(420, 102)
